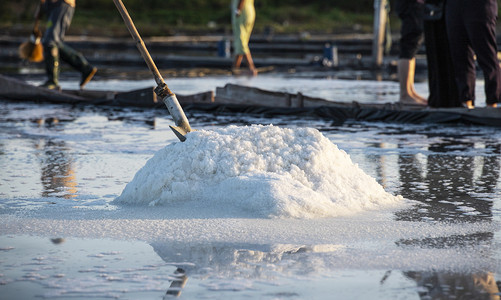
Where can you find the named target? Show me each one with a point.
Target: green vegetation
(167, 17)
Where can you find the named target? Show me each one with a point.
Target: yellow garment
(70, 2)
(242, 25)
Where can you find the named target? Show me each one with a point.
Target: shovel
(169, 98)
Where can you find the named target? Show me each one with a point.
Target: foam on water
(266, 171)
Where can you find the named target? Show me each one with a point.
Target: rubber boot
(51, 57)
(78, 62)
(406, 70)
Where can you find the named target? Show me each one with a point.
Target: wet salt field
(62, 235)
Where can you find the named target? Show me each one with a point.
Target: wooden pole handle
(168, 97)
(142, 47)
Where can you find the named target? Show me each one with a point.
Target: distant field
(168, 17)
(165, 17)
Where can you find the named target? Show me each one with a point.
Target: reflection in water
(455, 286)
(452, 186)
(57, 172)
(177, 284)
(215, 261)
(450, 189)
(242, 260)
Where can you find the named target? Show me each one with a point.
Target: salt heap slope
(265, 171)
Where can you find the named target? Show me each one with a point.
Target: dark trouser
(471, 28)
(60, 15)
(411, 33)
(441, 81)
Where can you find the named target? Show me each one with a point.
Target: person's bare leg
(252, 68)
(238, 61)
(493, 105)
(406, 70)
(412, 75)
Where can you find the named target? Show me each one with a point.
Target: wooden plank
(147, 98)
(389, 111)
(235, 94)
(15, 89)
(143, 97)
(204, 97)
(92, 94)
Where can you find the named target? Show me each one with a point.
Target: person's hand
(238, 12)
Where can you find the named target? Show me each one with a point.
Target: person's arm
(240, 5)
(39, 10)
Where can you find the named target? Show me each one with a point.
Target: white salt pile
(266, 171)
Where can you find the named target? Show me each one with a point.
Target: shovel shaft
(139, 42)
(169, 98)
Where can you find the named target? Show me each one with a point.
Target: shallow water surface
(61, 237)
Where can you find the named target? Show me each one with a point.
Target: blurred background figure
(443, 91)
(59, 15)
(471, 28)
(242, 20)
(410, 13)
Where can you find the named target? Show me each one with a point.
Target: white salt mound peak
(264, 171)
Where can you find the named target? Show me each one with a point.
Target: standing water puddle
(61, 235)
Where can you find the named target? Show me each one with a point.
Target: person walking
(410, 13)
(242, 19)
(59, 15)
(471, 29)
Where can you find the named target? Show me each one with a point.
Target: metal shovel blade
(179, 132)
(182, 125)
